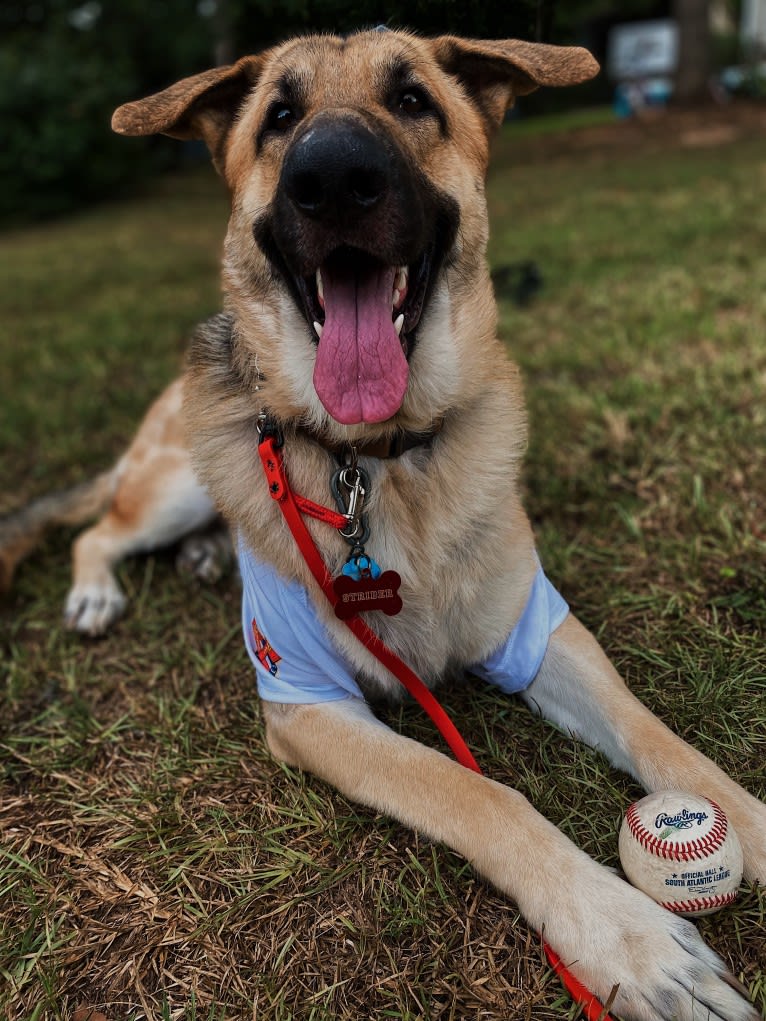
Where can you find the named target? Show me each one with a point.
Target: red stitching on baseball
(700, 903)
(690, 851)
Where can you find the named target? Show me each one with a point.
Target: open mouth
(363, 314)
(363, 289)
(407, 297)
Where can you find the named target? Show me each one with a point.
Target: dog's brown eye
(413, 102)
(281, 117)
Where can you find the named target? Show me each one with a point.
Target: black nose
(338, 169)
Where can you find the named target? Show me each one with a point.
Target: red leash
(293, 508)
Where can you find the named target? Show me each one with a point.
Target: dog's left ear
(203, 106)
(493, 71)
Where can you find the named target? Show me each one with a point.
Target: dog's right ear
(493, 72)
(203, 106)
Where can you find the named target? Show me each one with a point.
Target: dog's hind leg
(150, 498)
(155, 509)
(614, 937)
(578, 689)
(206, 555)
(157, 501)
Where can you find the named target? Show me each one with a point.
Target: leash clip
(350, 486)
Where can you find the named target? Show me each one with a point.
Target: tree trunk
(694, 63)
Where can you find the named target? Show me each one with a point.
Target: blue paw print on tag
(361, 567)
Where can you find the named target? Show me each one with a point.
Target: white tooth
(318, 327)
(320, 288)
(398, 324)
(401, 278)
(395, 299)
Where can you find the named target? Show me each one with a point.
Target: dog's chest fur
(446, 516)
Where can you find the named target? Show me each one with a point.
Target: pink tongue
(360, 373)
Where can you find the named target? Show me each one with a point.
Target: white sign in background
(642, 49)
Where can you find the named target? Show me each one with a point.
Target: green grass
(95, 312)
(554, 123)
(154, 861)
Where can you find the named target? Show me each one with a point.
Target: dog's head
(356, 243)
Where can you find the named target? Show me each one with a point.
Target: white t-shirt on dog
(296, 660)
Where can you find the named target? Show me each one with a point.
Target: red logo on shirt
(267, 657)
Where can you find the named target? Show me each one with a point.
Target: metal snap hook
(350, 486)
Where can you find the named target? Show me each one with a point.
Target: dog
(358, 346)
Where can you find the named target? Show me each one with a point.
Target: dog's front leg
(612, 934)
(578, 689)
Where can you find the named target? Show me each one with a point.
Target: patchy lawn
(154, 861)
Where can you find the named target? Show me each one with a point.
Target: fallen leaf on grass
(88, 1014)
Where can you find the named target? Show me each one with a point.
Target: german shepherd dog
(360, 327)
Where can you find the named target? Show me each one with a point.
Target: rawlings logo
(684, 820)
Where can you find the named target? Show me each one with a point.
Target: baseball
(682, 851)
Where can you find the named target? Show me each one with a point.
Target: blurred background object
(65, 65)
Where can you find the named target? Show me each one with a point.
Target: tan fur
(150, 498)
(22, 530)
(447, 516)
(157, 501)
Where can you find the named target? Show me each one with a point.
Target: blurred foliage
(66, 64)
(56, 147)
(64, 67)
(431, 17)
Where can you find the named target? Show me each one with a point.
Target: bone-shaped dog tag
(367, 593)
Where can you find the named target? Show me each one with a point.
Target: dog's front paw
(92, 608)
(748, 816)
(657, 962)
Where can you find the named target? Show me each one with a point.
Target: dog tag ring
(361, 585)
